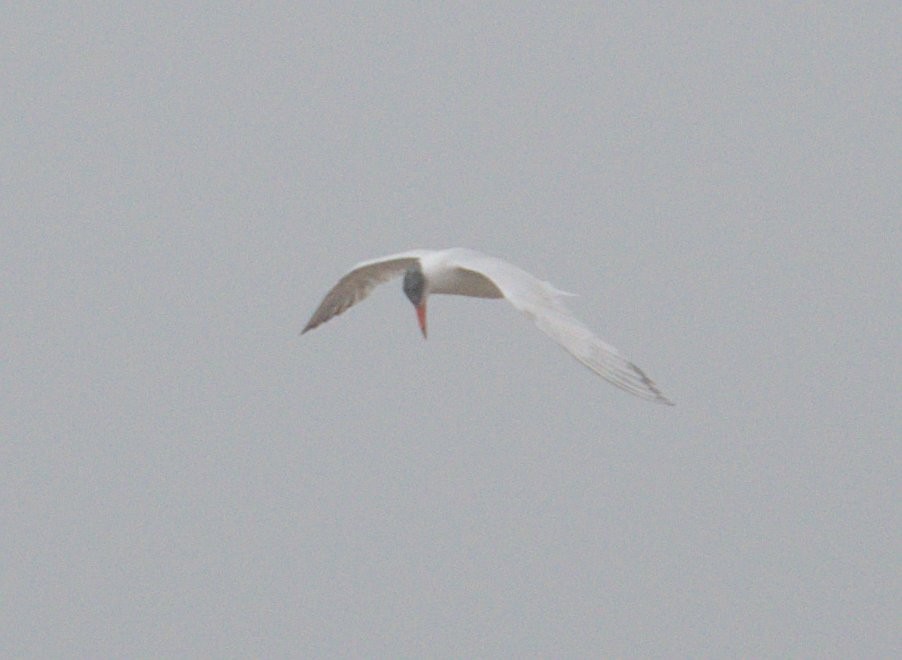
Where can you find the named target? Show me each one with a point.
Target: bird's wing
(600, 357)
(543, 304)
(359, 282)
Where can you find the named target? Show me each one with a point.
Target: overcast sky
(182, 474)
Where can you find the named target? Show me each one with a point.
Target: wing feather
(599, 356)
(542, 303)
(359, 282)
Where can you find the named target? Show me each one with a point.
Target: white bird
(463, 272)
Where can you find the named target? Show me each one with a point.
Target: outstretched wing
(359, 282)
(600, 357)
(543, 304)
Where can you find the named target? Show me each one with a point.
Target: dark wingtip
(650, 385)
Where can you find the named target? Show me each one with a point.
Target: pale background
(183, 475)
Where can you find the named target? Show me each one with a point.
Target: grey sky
(182, 474)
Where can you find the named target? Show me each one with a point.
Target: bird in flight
(462, 272)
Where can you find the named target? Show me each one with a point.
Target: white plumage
(458, 271)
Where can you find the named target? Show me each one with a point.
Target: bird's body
(458, 271)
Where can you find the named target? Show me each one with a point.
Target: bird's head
(415, 290)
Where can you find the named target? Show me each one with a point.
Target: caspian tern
(463, 272)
